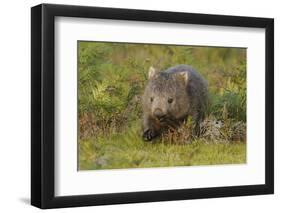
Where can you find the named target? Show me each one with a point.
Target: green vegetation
(112, 77)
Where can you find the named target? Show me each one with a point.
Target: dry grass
(211, 131)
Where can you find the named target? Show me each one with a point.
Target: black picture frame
(43, 102)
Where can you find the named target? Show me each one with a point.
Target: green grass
(128, 150)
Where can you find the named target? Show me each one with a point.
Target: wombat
(170, 97)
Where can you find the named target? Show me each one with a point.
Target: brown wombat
(172, 96)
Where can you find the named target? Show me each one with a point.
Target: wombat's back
(192, 73)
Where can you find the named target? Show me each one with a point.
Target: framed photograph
(139, 106)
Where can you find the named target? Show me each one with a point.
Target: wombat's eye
(170, 100)
(151, 99)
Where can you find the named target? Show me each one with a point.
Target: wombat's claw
(148, 135)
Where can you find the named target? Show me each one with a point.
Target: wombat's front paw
(148, 135)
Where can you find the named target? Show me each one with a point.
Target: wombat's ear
(184, 76)
(151, 72)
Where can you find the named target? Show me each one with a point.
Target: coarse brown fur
(172, 96)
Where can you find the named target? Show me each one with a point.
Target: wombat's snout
(158, 113)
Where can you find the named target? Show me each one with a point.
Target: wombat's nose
(158, 113)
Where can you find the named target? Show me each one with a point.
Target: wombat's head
(165, 97)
